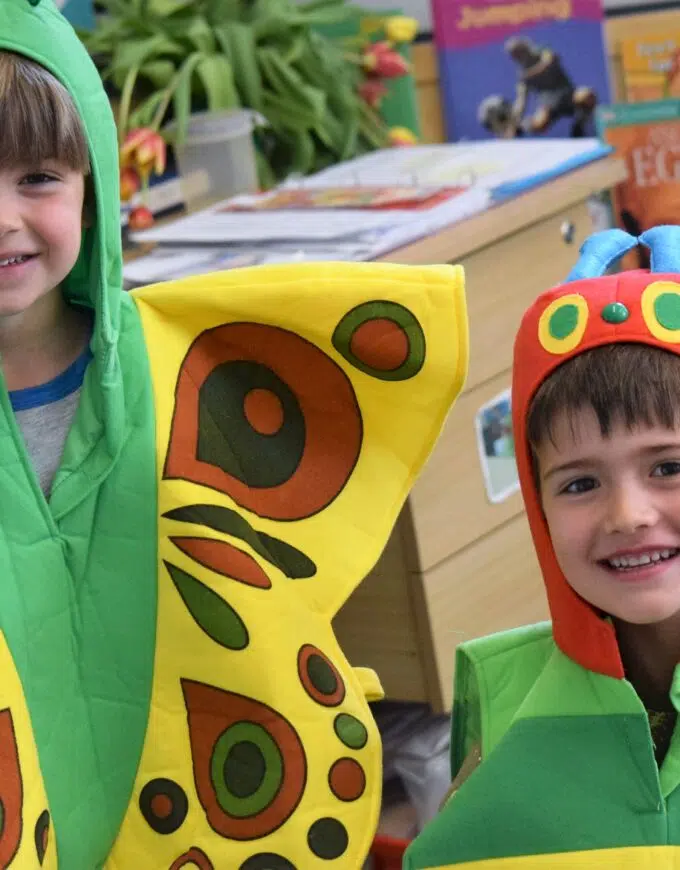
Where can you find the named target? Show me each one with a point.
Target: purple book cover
(511, 68)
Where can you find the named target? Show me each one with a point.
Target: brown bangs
(633, 384)
(38, 119)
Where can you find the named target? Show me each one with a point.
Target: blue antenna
(602, 250)
(664, 245)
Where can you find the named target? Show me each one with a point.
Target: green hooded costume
(568, 779)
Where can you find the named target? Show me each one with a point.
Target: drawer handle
(568, 232)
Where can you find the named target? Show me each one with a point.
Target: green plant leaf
(163, 9)
(371, 126)
(289, 84)
(225, 11)
(313, 5)
(285, 114)
(200, 34)
(216, 74)
(182, 96)
(159, 72)
(136, 52)
(143, 115)
(326, 15)
(238, 43)
(265, 174)
(303, 152)
(125, 99)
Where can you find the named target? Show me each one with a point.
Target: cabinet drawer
(504, 279)
(449, 504)
(378, 625)
(493, 585)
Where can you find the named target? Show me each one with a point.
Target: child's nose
(10, 221)
(629, 508)
(10, 218)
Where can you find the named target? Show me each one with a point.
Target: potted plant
(168, 58)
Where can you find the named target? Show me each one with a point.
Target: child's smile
(612, 505)
(41, 212)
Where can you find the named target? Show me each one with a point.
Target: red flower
(372, 91)
(380, 59)
(140, 218)
(129, 183)
(144, 150)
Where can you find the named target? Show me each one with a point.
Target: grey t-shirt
(45, 429)
(44, 415)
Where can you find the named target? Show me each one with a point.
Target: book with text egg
(517, 68)
(647, 136)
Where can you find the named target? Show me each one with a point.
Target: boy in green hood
(193, 481)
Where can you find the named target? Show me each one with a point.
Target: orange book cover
(647, 137)
(651, 67)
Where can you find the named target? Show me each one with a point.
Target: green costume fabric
(78, 609)
(568, 777)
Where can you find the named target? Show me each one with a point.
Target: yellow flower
(400, 28)
(401, 136)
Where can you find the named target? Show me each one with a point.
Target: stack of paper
(484, 171)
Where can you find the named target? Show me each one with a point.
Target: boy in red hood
(575, 721)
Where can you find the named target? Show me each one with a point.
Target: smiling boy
(565, 747)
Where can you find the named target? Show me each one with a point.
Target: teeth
(641, 559)
(12, 261)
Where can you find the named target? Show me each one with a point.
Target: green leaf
(159, 72)
(163, 9)
(182, 95)
(215, 72)
(222, 11)
(329, 15)
(289, 84)
(201, 35)
(370, 125)
(302, 153)
(265, 174)
(238, 43)
(313, 5)
(143, 115)
(136, 52)
(125, 99)
(218, 619)
(286, 114)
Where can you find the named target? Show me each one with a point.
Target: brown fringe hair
(38, 118)
(633, 384)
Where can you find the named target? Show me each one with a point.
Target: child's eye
(670, 468)
(37, 178)
(580, 485)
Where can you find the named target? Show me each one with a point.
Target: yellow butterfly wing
(294, 407)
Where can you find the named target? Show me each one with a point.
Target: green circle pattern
(351, 731)
(243, 796)
(667, 310)
(382, 310)
(615, 312)
(563, 322)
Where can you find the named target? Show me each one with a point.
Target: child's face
(613, 511)
(41, 211)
